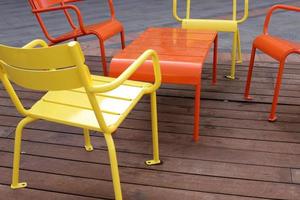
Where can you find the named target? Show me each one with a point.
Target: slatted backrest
(40, 4)
(47, 68)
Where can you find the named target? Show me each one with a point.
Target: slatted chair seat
(69, 106)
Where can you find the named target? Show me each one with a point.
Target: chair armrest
(64, 7)
(35, 43)
(272, 9)
(246, 12)
(175, 13)
(111, 8)
(130, 70)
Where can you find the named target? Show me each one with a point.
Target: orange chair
(102, 30)
(277, 48)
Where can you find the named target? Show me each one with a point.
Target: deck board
(240, 156)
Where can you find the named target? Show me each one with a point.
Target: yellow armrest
(130, 70)
(35, 43)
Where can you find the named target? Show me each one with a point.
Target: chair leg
(250, 71)
(197, 112)
(233, 56)
(17, 151)
(113, 166)
(272, 116)
(87, 140)
(156, 159)
(103, 56)
(239, 48)
(215, 61)
(123, 39)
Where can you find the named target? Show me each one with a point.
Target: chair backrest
(59, 67)
(40, 4)
(47, 68)
(234, 11)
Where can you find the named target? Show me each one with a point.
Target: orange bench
(182, 54)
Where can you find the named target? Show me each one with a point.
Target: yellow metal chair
(74, 96)
(217, 25)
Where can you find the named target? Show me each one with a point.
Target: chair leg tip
(153, 162)
(18, 186)
(248, 98)
(239, 61)
(272, 119)
(88, 148)
(230, 77)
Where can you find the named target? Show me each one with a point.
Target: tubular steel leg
(17, 151)
(250, 71)
(197, 112)
(155, 160)
(215, 61)
(113, 165)
(272, 116)
(240, 57)
(233, 57)
(103, 56)
(123, 39)
(87, 140)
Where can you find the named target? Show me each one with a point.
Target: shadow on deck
(240, 156)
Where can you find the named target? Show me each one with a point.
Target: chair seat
(106, 29)
(274, 46)
(72, 107)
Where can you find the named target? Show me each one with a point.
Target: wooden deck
(241, 156)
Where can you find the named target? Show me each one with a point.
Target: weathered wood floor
(241, 156)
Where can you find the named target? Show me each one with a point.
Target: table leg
(197, 112)
(215, 61)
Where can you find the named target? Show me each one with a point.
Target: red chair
(277, 48)
(102, 30)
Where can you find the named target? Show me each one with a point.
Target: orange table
(182, 54)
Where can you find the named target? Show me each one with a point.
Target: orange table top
(181, 53)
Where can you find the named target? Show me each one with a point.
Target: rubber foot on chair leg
(230, 77)
(88, 147)
(153, 162)
(239, 62)
(19, 185)
(248, 98)
(272, 119)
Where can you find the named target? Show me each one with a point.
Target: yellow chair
(217, 25)
(74, 96)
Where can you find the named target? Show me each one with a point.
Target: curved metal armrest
(35, 43)
(111, 8)
(130, 70)
(272, 9)
(64, 7)
(246, 12)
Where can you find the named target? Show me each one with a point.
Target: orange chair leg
(215, 61)
(250, 71)
(272, 116)
(103, 56)
(123, 39)
(197, 112)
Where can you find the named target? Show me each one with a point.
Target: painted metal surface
(102, 30)
(74, 97)
(276, 47)
(182, 54)
(217, 25)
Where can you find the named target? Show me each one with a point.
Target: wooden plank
(28, 194)
(178, 165)
(68, 170)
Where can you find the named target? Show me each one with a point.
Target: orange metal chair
(102, 30)
(277, 48)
